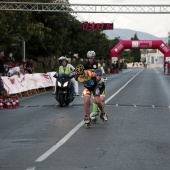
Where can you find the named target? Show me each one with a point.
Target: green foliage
(47, 34)
(135, 53)
(124, 66)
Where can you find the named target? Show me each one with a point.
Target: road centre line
(31, 168)
(122, 87)
(76, 128)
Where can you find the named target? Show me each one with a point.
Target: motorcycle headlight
(65, 84)
(59, 84)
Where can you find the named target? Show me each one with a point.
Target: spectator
(103, 64)
(29, 66)
(1, 86)
(2, 67)
(121, 66)
(18, 70)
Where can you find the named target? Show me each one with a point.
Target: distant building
(154, 58)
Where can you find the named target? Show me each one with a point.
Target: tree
(135, 53)
(46, 34)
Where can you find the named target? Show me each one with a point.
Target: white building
(154, 58)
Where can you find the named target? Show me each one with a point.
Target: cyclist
(88, 78)
(68, 69)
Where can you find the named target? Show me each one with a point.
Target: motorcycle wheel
(67, 103)
(61, 97)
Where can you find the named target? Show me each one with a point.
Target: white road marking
(153, 106)
(74, 130)
(135, 105)
(122, 87)
(59, 143)
(31, 168)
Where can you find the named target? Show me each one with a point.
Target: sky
(155, 24)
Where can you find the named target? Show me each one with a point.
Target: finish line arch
(139, 44)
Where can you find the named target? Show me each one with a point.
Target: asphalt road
(39, 135)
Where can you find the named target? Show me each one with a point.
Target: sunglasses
(98, 75)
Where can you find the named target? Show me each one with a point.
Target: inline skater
(88, 78)
(91, 64)
(101, 86)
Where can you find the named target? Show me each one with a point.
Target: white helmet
(63, 58)
(91, 54)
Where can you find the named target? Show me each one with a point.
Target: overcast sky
(155, 24)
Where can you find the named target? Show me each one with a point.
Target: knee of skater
(96, 102)
(86, 102)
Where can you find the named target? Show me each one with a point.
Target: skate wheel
(106, 122)
(94, 120)
(87, 125)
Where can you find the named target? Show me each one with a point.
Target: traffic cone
(8, 104)
(1, 104)
(13, 104)
(17, 101)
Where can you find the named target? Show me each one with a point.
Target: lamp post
(23, 49)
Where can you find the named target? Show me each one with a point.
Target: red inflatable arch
(139, 44)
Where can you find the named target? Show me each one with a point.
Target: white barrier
(27, 82)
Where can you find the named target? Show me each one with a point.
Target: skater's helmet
(91, 54)
(98, 72)
(79, 69)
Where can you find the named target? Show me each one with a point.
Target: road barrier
(15, 86)
(27, 82)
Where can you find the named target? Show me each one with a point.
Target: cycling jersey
(95, 65)
(91, 84)
(88, 80)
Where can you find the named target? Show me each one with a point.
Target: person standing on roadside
(18, 70)
(2, 68)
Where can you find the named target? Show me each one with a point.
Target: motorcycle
(64, 89)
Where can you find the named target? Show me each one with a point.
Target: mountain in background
(127, 34)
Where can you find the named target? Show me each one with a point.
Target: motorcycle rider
(68, 69)
(88, 78)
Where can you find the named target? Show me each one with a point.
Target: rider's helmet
(98, 72)
(63, 58)
(91, 54)
(79, 69)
